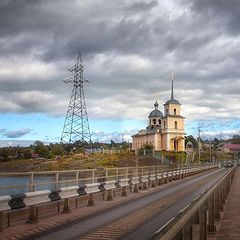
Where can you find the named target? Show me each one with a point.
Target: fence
(121, 178)
(202, 211)
(80, 177)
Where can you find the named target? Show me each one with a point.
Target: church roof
(172, 101)
(155, 112)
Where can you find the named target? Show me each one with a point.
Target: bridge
(126, 203)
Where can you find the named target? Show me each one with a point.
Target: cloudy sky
(129, 49)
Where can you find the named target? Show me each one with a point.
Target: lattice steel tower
(76, 126)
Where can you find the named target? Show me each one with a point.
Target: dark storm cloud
(129, 49)
(227, 13)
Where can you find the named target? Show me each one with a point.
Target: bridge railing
(120, 178)
(203, 212)
(65, 178)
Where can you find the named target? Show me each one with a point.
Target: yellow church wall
(180, 124)
(177, 107)
(181, 142)
(139, 141)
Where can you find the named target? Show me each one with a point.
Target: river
(21, 180)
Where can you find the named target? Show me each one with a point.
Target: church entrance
(175, 145)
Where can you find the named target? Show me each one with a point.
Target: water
(21, 180)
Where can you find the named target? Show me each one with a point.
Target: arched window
(175, 124)
(154, 121)
(175, 111)
(164, 124)
(159, 121)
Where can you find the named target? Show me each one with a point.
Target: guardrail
(135, 179)
(204, 210)
(84, 176)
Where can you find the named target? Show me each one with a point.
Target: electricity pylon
(76, 126)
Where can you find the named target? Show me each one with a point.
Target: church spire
(172, 97)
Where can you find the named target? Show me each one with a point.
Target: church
(165, 132)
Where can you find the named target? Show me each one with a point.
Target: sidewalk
(229, 228)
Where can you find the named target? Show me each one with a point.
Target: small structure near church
(229, 148)
(164, 132)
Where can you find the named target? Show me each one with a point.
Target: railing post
(124, 191)
(109, 196)
(117, 174)
(93, 175)
(56, 180)
(187, 233)
(220, 197)
(1, 221)
(77, 176)
(31, 187)
(216, 198)
(32, 215)
(90, 200)
(211, 214)
(223, 197)
(106, 174)
(203, 222)
(66, 207)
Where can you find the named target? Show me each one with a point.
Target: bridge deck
(229, 225)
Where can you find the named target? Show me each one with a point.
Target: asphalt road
(76, 228)
(146, 231)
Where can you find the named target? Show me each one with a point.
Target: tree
(215, 142)
(27, 154)
(57, 149)
(5, 153)
(41, 149)
(191, 139)
(235, 139)
(113, 144)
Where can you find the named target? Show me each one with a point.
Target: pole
(210, 150)
(199, 146)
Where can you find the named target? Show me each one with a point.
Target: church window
(164, 124)
(159, 121)
(154, 121)
(175, 124)
(175, 111)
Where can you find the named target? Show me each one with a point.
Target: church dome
(155, 112)
(172, 101)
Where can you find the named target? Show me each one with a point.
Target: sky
(129, 49)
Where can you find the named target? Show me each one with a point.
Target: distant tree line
(214, 142)
(41, 150)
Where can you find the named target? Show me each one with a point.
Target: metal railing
(203, 210)
(81, 177)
